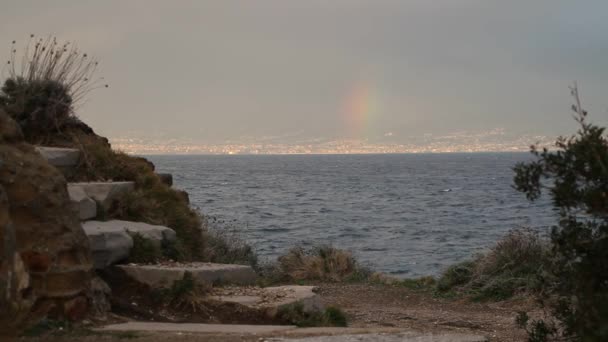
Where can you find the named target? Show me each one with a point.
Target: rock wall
(46, 265)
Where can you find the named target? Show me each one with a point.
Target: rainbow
(359, 110)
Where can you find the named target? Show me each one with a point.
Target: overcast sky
(220, 70)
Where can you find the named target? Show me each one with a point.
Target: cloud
(219, 70)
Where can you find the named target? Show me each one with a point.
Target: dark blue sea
(405, 214)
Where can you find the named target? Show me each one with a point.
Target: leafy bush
(511, 266)
(575, 281)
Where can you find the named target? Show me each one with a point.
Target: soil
(369, 306)
(136, 301)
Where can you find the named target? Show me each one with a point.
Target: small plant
(173, 250)
(456, 275)
(422, 283)
(45, 84)
(324, 263)
(185, 294)
(511, 266)
(296, 315)
(46, 326)
(144, 250)
(225, 246)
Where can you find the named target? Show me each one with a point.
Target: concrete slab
(384, 337)
(197, 328)
(159, 276)
(271, 298)
(107, 246)
(285, 333)
(60, 157)
(83, 204)
(104, 193)
(111, 240)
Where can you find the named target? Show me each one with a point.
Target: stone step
(197, 328)
(279, 333)
(162, 276)
(60, 157)
(111, 241)
(85, 206)
(350, 335)
(271, 299)
(104, 193)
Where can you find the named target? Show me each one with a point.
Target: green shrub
(227, 248)
(456, 275)
(510, 267)
(574, 282)
(144, 251)
(296, 315)
(186, 293)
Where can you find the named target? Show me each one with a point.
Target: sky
(217, 71)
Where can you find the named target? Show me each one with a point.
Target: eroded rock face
(48, 238)
(15, 298)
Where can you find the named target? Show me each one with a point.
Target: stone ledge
(197, 328)
(104, 193)
(271, 299)
(159, 276)
(60, 157)
(111, 240)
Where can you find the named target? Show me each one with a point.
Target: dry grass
(46, 59)
(43, 86)
(323, 263)
(186, 294)
(510, 267)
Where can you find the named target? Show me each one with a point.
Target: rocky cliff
(46, 265)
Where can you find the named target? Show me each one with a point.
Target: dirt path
(386, 306)
(374, 308)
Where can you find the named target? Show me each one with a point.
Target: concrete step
(111, 240)
(197, 328)
(60, 157)
(162, 276)
(279, 333)
(271, 299)
(104, 193)
(347, 336)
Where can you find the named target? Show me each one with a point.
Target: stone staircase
(111, 241)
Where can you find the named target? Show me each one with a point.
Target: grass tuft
(296, 315)
(510, 267)
(144, 251)
(324, 263)
(185, 294)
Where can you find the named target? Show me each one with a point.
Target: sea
(405, 214)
